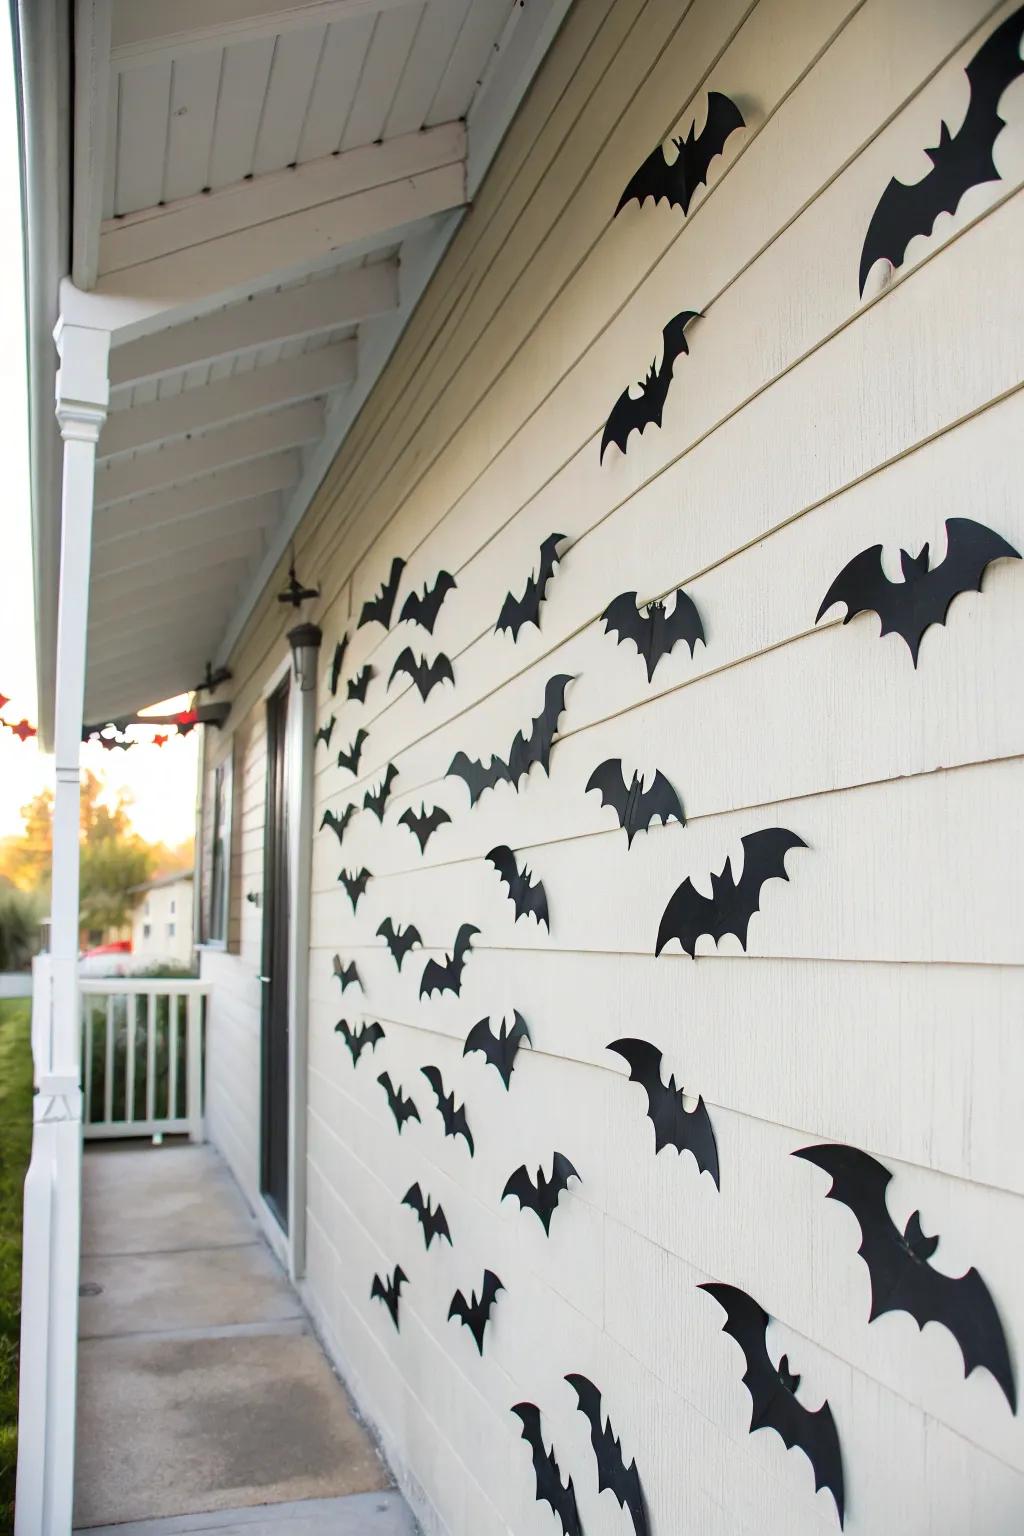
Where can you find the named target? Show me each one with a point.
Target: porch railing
(142, 1056)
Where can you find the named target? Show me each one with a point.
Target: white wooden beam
(244, 524)
(93, 103)
(174, 509)
(147, 591)
(144, 29)
(149, 647)
(169, 613)
(181, 565)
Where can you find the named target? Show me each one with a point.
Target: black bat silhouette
(431, 1217)
(453, 1115)
(612, 1472)
(732, 902)
(446, 975)
(633, 413)
(526, 898)
(542, 1197)
(499, 1049)
(355, 885)
(337, 662)
(347, 975)
(324, 734)
(399, 1104)
(357, 1040)
(377, 610)
(525, 750)
(902, 1280)
(399, 940)
(475, 1312)
(654, 632)
(357, 685)
(424, 674)
(687, 1131)
(517, 611)
(350, 758)
(677, 183)
(425, 824)
(389, 1291)
(772, 1392)
(909, 607)
(959, 161)
(338, 824)
(423, 609)
(548, 1473)
(635, 807)
(376, 799)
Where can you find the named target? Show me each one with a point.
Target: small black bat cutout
(542, 1197)
(453, 1115)
(357, 685)
(633, 413)
(612, 1472)
(924, 596)
(654, 632)
(772, 1389)
(446, 975)
(424, 824)
(355, 885)
(525, 750)
(389, 1291)
(902, 1279)
(732, 902)
(400, 1106)
(635, 807)
(350, 757)
(517, 611)
(548, 1473)
(423, 609)
(357, 1040)
(424, 674)
(475, 1312)
(347, 975)
(338, 824)
(376, 799)
(959, 161)
(431, 1217)
(324, 734)
(677, 183)
(337, 662)
(528, 900)
(687, 1131)
(377, 610)
(398, 940)
(499, 1049)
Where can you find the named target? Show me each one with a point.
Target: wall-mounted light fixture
(305, 640)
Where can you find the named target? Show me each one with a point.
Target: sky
(161, 781)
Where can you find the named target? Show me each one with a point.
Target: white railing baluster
(194, 1062)
(146, 1112)
(108, 1070)
(87, 1084)
(131, 1019)
(172, 1056)
(151, 1057)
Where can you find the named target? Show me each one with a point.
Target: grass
(15, 1147)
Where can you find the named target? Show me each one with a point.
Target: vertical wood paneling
(195, 85)
(341, 65)
(394, 34)
(243, 84)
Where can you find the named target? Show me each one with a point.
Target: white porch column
(49, 1319)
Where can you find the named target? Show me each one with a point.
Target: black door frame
(275, 1075)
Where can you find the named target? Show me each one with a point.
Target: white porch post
(49, 1319)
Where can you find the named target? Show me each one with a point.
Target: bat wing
(481, 1038)
(864, 588)
(325, 733)
(696, 153)
(632, 413)
(547, 1472)
(536, 748)
(475, 776)
(463, 942)
(404, 942)
(458, 1125)
(435, 977)
(413, 1198)
(371, 1034)
(970, 550)
(437, 1226)
(652, 178)
(612, 1472)
(438, 671)
(377, 610)
(683, 623)
(489, 1290)
(405, 662)
(434, 1078)
(764, 858)
(623, 618)
(664, 1107)
(386, 931)
(342, 1029)
(687, 915)
(520, 1186)
(607, 778)
(659, 802)
(517, 611)
(357, 685)
(337, 662)
(461, 1309)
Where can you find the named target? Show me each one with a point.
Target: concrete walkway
(205, 1402)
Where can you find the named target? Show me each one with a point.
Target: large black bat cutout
(425, 823)
(324, 734)
(677, 183)
(635, 807)
(902, 1280)
(653, 631)
(687, 1131)
(400, 1106)
(499, 1049)
(446, 975)
(356, 686)
(431, 1217)
(398, 940)
(633, 413)
(958, 162)
(338, 824)
(772, 1392)
(376, 799)
(732, 902)
(424, 674)
(357, 1040)
(528, 900)
(355, 885)
(423, 609)
(350, 757)
(389, 1291)
(548, 1473)
(517, 611)
(453, 1115)
(525, 750)
(542, 1197)
(924, 596)
(337, 662)
(475, 1312)
(612, 1472)
(377, 610)
(347, 975)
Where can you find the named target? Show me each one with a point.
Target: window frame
(216, 923)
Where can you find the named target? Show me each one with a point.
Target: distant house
(162, 918)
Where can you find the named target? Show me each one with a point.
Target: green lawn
(15, 1146)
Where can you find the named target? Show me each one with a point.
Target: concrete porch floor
(205, 1401)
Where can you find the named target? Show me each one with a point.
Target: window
(216, 931)
(170, 930)
(146, 907)
(146, 930)
(172, 906)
